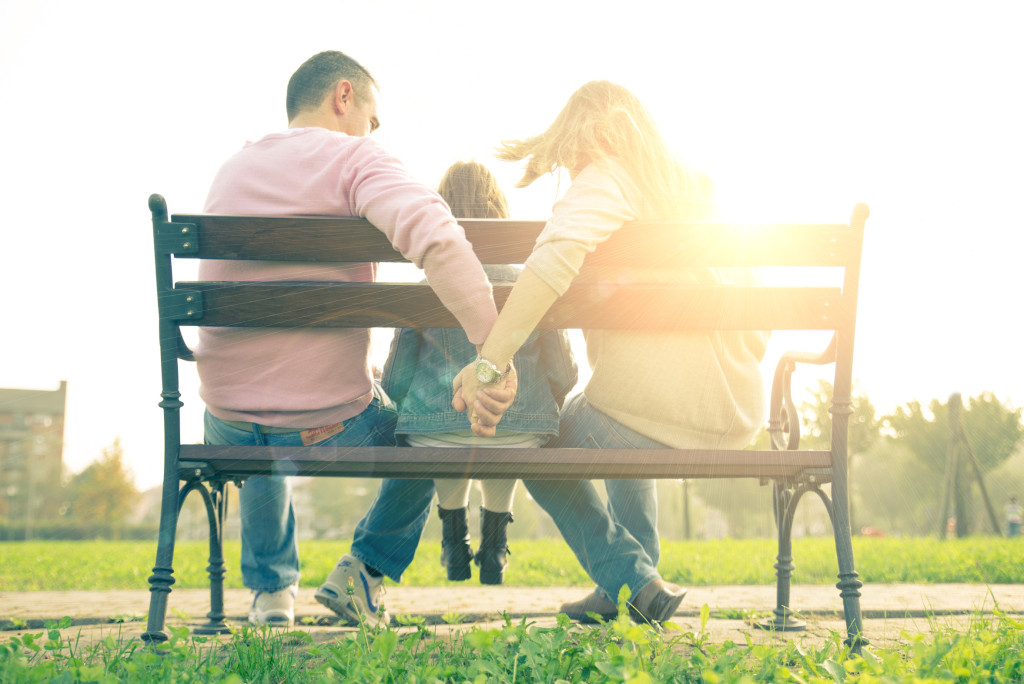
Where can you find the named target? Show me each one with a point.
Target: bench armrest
(184, 353)
(783, 421)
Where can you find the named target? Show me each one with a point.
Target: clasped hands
(488, 403)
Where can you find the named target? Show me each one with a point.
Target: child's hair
(602, 120)
(471, 191)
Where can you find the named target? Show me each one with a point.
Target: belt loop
(261, 439)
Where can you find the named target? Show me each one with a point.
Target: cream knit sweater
(686, 390)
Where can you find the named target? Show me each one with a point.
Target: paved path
(888, 609)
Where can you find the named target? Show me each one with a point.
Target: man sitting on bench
(304, 387)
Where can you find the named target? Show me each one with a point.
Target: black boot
(455, 550)
(492, 554)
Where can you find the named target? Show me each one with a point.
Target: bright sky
(796, 110)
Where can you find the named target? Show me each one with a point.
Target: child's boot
(492, 556)
(455, 550)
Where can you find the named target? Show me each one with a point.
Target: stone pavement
(891, 611)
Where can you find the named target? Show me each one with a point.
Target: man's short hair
(319, 74)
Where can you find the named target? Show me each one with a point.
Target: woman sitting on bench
(649, 389)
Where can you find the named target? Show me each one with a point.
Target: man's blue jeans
(616, 544)
(270, 549)
(387, 536)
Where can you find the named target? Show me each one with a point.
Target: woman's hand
(525, 306)
(488, 402)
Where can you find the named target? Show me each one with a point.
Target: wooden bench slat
(546, 464)
(325, 239)
(368, 305)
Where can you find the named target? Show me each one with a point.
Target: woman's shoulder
(604, 168)
(608, 178)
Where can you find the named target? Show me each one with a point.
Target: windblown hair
(318, 76)
(471, 191)
(603, 120)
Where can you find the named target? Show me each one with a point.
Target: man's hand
(488, 402)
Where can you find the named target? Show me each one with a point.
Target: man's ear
(344, 96)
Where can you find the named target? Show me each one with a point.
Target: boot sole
(461, 569)
(492, 577)
(459, 574)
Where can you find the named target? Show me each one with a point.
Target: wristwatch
(488, 373)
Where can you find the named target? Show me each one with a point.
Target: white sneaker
(350, 591)
(274, 608)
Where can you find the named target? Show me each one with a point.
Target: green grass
(93, 565)
(989, 649)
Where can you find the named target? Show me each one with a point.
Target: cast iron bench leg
(216, 510)
(163, 572)
(785, 504)
(849, 586)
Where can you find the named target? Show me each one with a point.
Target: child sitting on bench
(418, 377)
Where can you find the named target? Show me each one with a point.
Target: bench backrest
(611, 291)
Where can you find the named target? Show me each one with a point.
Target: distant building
(31, 454)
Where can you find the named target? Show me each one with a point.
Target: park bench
(609, 293)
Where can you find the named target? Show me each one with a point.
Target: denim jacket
(423, 363)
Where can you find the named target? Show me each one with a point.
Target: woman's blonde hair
(602, 120)
(471, 191)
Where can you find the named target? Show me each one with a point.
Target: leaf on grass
(385, 644)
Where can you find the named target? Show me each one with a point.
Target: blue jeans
(617, 544)
(270, 549)
(387, 536)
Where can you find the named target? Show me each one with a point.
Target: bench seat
(527, 464)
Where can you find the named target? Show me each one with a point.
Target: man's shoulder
(312, 137)
(308, 148)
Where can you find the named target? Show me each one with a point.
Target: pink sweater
(311, 378)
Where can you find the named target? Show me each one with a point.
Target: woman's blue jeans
(616, 544)
(270, 549)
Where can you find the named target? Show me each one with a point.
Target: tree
(863, 434)
(864, 425)
(992, 429)
(104, 493)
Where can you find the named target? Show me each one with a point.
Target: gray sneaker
(350, 591)
(274, 608)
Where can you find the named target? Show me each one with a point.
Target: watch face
(485, 372)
